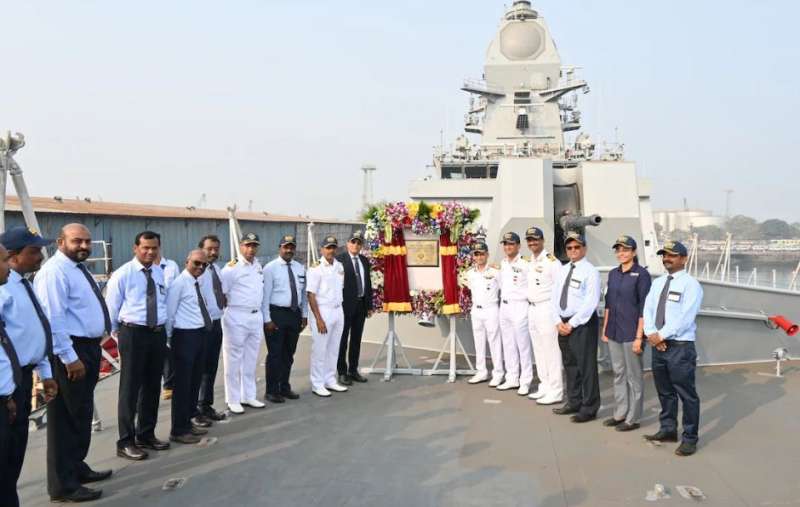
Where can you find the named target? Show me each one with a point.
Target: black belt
(27, 370)
(678, 343)
(156, 329)
(85, 338)
(284, 308)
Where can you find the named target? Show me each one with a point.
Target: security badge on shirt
(675, 296)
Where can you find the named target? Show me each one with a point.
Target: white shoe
(538, 394)
(505, 386)
(478, 378)
(496, 381)
(236, 408)
(322, 392)
(254, 404)
(548, 400)
(336, 388)
(523, 390)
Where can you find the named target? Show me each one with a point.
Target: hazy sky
(280, 102)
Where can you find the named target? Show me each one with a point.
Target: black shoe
(612, 422)
(202, 421)
(565, 410)
(187, 438)
(92, 476)
(356, 377)
(153, 443)
(663, 436)
(345, 380)
(290, 395)
(196, 431)
(81, 494)
(210, 413)
(582, 418)
(686, 449)
(132, 453)
(274, 398)
(627, 427)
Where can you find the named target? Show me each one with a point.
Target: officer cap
(329, 241)
(575, 236)
(251, 238)
(510, 237)
(534, 233)
(20, 237)
(480, 247)
(673, 247)
(626, 241)
(287, 239)
(357, 236)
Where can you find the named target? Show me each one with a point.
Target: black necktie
(5, 342)
(96, 290)
(203, 309)
(216, 283)
(661, 309)
(48, 332)
(359, 281)
(293, 286)
(152, 305)
(565, 289)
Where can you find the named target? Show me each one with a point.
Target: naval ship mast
(533, 165)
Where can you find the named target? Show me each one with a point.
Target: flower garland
(425, 220)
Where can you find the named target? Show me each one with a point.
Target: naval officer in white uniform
(242, 325)
(325, 284)
(514, 318)
(484, 284)
(544, 270)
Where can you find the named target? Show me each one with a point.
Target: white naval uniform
(544, 271)
(485, 318)
(242, 328)
(326, 282)
(514, 321)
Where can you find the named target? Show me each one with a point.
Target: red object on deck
(110, 346)
(782, 322)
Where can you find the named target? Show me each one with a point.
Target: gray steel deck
(421, 441)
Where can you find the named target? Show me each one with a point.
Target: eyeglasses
(574, 247)
(200, 264)
(478, 254)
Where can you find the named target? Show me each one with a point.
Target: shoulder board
(495, 266)
(233, 262)
(314, 264)
(524, 259)
(551, 257)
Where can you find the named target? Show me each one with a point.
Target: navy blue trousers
(189, 361)
(673, 372)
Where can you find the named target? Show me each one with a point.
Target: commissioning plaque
(423, 252)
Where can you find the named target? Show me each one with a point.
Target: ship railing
(482, 86)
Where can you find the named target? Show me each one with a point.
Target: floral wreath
(384, 220)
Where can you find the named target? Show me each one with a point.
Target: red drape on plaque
(448, 251)
(396, 296)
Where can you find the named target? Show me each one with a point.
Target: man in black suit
(357, 305)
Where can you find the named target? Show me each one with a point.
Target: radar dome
(521, 40)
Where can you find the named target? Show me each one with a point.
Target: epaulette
(233, 262)
(524, 259)
(314, 264)
(495, 266)
(551, 257)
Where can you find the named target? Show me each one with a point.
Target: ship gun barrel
(571, 222)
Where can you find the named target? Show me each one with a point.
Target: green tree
(709, 232)
(775, 229)
(743, 227)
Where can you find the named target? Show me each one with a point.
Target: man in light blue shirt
(136, 296)
(285, 315)
(670, 311)
(29, 331)
(211, 282)
(79, 319)
(188, 322)
(170, 270)
(576, 293)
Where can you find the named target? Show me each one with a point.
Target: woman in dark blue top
(623, 327)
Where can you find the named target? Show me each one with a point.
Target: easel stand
(451, 342)
(389, 343)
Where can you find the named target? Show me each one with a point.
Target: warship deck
(421, 441)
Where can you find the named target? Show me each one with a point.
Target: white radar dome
(522, 40)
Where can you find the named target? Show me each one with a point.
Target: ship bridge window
(452, 172)
(476, 172)
(522, 98)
